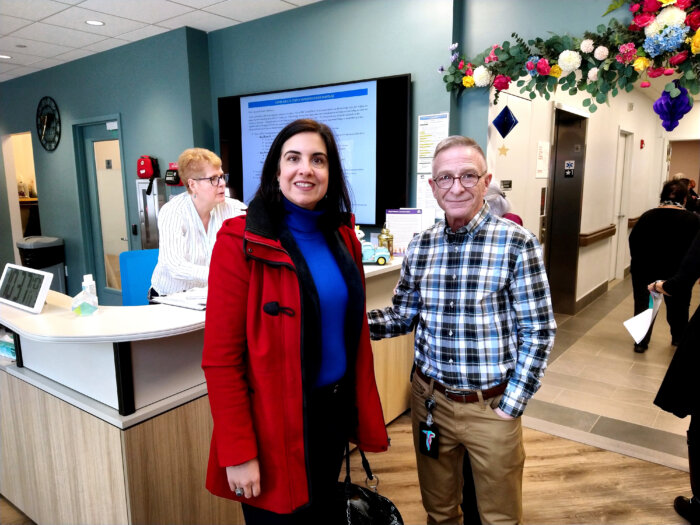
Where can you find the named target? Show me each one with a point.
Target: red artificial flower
(468, 71)
(501, 82)
(683, 4)
(678, 58)
(651, 6)
(529, 65)
(669, 71)
(643, 19)
(635, 27)
(645, 84)
(634, 8)
(543, 67)
(693, 20)
(461, 64)
(655, 72)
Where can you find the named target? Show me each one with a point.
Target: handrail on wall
(586, 239)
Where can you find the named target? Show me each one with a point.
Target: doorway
(564, 208)
(103, 205)
(620, 258)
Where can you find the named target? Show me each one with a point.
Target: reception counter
(105, 419)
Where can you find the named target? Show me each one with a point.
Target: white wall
(599, 182)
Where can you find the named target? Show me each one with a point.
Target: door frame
(620, 204)
(85, 196)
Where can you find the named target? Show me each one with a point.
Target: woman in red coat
(287, 355)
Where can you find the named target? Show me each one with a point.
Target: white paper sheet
(638, 326)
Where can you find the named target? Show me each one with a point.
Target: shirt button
(452, 303)
(454, 276)
(450, 334)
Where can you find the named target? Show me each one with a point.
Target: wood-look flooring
(565, 482)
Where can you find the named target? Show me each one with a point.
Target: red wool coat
(252, 363)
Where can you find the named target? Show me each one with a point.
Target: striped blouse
(184, 246)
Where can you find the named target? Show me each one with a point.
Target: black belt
(467, 396)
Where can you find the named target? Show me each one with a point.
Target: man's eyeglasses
(215, 179)
(468, 180)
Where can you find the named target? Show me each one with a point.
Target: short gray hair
(458, 140)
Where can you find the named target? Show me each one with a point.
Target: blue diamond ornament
(505, 122)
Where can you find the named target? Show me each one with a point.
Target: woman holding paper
(679, 392)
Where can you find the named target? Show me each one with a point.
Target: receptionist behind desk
(188, 223)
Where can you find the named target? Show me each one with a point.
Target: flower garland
(663, 39)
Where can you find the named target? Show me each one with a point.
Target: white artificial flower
(671, 16)
(601, 53)
(482, 76)
(653, 28)
(593, 74)
(568, 61)
(587, 45)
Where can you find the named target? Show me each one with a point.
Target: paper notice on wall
(542, 169)
(425, 199)
(431, 130)
(403, 225)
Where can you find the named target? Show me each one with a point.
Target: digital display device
(369, 118)
(24, 288)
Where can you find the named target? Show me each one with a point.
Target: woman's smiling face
(303, 169)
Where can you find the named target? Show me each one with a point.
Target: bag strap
(365, 464)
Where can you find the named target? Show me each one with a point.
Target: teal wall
(158, 86)
(337, 41)
(479, 24)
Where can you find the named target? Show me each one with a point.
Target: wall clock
(48, 123)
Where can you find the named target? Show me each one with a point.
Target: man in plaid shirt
(475, 289)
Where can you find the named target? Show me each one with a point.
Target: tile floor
(596, 390)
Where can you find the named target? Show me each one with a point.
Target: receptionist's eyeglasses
(468, 180)
(215, 179)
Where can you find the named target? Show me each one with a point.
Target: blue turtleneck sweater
(330, 285)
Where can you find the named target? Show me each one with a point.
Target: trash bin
(47, 254)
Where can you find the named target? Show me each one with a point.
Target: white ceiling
(39, 34)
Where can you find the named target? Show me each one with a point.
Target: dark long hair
(336, 203)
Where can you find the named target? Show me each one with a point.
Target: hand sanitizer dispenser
(85, 303)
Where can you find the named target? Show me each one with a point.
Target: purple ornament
(671, 109)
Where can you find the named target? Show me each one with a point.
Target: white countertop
(374, 269)
(58, 324)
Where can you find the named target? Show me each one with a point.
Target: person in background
(499, 204)
(678, 392)
(189, 222)
(287, 355)
(657, 244)
(691, 203)
(475, 289)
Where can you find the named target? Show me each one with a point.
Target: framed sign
(24, 288)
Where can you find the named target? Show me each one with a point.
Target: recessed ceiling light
(94, 22)
(5, 56)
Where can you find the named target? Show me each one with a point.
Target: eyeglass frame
(217, 177)
(453, 179)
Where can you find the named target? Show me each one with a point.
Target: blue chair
(136, 268)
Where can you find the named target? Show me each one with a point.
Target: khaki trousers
(496, 452)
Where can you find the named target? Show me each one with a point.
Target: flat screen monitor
(371, 123)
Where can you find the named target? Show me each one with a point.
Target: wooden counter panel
(393, 359)
(70, 474)
(166, 463)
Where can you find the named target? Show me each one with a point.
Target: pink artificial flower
(635, 7)
(461, 64)
(492, 55)
(543, 67)
(651, 6)
(501, 82)
(678, 58)
(693, 20)
(529, 65)
(643, 19)
(669, 71)
(655, 72)
(683, 4)
(645, 84)
(468, 71)
(627, 53)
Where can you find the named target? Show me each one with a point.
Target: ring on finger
(239, 492)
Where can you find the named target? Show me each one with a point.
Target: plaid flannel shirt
(480, 301)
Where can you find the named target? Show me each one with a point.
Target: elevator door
(564, 210)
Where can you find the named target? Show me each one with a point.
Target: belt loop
(431, 386)
(482, 401)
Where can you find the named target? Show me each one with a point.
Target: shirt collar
(472, 226)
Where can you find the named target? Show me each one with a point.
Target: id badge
(429, 440)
